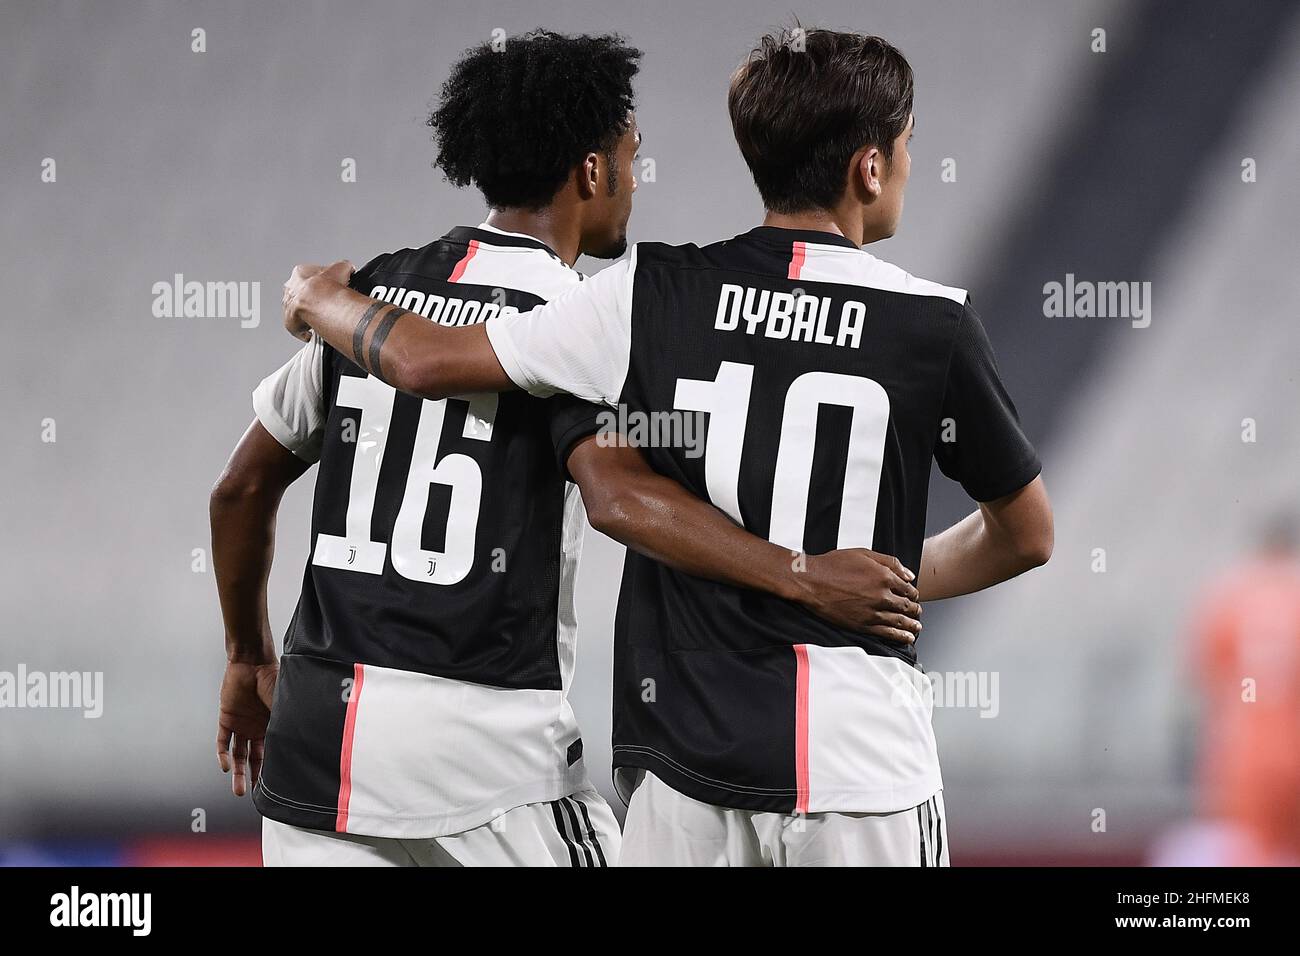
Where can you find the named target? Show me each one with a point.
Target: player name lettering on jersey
(759, 705)
(404, 604)
(799, 317)
(445, 310)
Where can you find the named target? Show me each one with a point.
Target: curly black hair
(514, 120)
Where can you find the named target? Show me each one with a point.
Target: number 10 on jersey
(726, 399)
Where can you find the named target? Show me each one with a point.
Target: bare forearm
(242, 510)
(852, 588)
(243, 543)
(1000, 540)
(962, 559)
(399, 347)
(654, 517)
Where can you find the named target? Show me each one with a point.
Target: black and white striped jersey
(424, 679)
(829, 381)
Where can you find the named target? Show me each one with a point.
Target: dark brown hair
(804, 102)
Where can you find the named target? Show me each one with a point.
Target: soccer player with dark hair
(420, 714)
(832, 380)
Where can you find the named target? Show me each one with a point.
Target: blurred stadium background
(1169, 156)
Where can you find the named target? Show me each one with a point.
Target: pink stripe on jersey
(459, 271)
(796, 260)
(345, 753)
(801, 723)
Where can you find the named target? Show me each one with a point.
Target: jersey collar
(492, 236)
(783, 237)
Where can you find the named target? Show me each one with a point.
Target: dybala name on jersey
(798, 316)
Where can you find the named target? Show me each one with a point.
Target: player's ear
(589, 175)
(871, 170)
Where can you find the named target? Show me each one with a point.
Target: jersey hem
(1025, 471)
(721, 794)
(419, 826)
(279, 429)
(503, 345)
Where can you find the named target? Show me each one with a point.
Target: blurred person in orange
(1248, 659)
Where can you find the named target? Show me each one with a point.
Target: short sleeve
(570, 421)
(577, 343)
(290, 402)
(980, 443)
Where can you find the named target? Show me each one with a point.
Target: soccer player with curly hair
(419, 713)
(745, 732)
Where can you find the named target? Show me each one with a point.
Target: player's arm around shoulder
(406, 350)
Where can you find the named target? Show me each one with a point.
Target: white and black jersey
(423, 685)
(830, 381)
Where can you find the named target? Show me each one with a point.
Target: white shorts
(577, 830)
(667, 828)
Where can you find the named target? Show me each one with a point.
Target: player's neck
(561, 235)
(817, 220)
